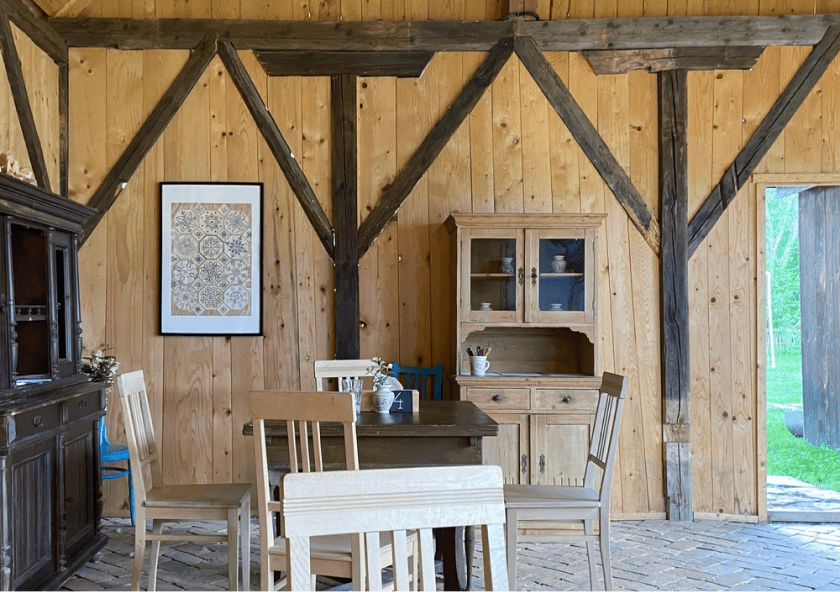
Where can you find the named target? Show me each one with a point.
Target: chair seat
(550, 496)
(200, 495)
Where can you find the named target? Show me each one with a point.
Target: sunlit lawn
(786, 454)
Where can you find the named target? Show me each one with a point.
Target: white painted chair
(575, 504)
(230, 502)
(395, 500)
(338, 369)
(332, 556)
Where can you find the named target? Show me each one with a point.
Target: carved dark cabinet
(50, 488)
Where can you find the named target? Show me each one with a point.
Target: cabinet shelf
(491, 276)
(565, 274)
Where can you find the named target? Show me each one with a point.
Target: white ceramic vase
(558, 264)
(383, 398)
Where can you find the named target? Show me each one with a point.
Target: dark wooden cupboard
(50, 488)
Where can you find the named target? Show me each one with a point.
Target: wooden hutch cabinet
(526, 287)
(50, 489)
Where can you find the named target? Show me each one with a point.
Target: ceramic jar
(558, 263)
(506, 265)
(383, 398)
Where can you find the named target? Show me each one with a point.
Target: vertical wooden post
(345, 217)
(676, 369)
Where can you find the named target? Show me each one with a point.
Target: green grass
(786, 454)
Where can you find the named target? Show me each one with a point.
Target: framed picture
(211, 258)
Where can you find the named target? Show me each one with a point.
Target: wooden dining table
(438, 433)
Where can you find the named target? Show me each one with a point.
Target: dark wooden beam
(14, 73)
(31, 20)
(63, 127)
(564, 35)
(768, 131)
(278, 146)
(673, 58)
(588, 139)
(676, 362)
(402, 64)
(394, 196)
(345, 217)
(149, 132)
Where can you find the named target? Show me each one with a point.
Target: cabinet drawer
(491, 399)
(83, 406)
(577, 400)
(36, 421)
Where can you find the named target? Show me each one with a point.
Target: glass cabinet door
(495, 275)
(559, 281)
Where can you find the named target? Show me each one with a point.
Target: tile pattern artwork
(211, 259)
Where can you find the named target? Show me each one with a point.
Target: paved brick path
(647, 555)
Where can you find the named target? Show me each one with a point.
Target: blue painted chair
(413, 377)
(113, 453)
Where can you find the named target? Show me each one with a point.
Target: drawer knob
(82, 404)
(37, 422)
(496, 398)
(566, 399)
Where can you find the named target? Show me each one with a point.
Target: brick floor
(647, 555)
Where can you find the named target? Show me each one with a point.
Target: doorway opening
(802, 298)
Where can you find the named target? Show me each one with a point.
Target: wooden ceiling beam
(401, 64)
(122, 171)
(14, 73)
(797, 90)
(564, 35)
(589, 140)
(394, 196)
(724, 57)
(32, 22)
(279, 147)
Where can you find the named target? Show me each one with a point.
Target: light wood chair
(230, 502)
(338, 369)
(577, 504)
(332, 556)
(378, 501)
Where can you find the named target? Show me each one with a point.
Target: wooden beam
(345, 217)
(149, 132)
(14, 73)
(394, 196)
(673, 58)
(589, 139)
(676, 361)
(402, 64)
(563, 35)
(768, 131)
(32, 21)
(278, 146)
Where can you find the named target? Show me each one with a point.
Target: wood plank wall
(512, 155)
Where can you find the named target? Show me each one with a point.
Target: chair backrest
(415, 377)
(325, 369)
(605, 433)
(396, 501)
(143, 450)
(303, 412)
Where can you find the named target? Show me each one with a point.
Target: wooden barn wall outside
(513, 154)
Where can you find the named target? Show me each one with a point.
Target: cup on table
(353, 385)
(479, 365)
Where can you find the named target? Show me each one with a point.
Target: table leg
(456, 548)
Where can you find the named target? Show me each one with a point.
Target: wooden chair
(582, 504)
(331, 556)
(230, 502)
(111, 453)
(416, 377)
(338, 369)
(377, 501)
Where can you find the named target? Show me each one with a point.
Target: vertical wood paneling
(565, 152)
(701, 89)
(415, 293)
(507, 139)
(316, 153)
(481, 169)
